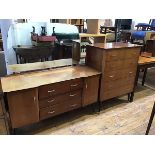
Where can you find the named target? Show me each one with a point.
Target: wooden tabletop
(17, 68)
(91, 35)
(39, 78)
(114, 45)
(146, 60)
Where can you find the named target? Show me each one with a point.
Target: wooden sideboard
(118, 64)
(37, 95)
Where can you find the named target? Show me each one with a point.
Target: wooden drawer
(59, 88)
(129, 73)
(114, 65)
(118, 83)
(112, 75)
(115, 55)
(119, 74)
(132, 54)
(130, 63)
(56, 109)
(116, 92)
(59, 99)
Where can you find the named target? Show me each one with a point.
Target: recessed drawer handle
(72, 95)
(51, 112)
(74, 85)
(50, 91)
(51, 101)
(130, 72)
(74, 105)
(113, 55)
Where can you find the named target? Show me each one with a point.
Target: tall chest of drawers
(118, 64)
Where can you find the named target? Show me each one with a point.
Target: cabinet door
(23, 107)
(90, 90)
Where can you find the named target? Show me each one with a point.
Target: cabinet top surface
(38, 78)
(114, 45)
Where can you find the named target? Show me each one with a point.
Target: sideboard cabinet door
(90, 90)
(23, 107)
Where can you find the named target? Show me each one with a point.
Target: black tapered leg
(13, 131)
(131, 97)
(129, 94)
(99, 106)
(151, 119)
(144, 76)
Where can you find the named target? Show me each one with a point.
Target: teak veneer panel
(23, 107)
(44, 77)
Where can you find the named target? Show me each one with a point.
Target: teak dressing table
(36, 95)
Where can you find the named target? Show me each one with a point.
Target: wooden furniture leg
(144, 76)
(151, 120)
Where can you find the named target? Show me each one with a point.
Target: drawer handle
(74, 85)
(51, 112)
(51, 101)
(74, 105)
(50, 91)
(111, 76)
(71, 95)
(113, 55)
(130, 72)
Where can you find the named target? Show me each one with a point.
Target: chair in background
(150, 47)
(119, 26)
(142, 28)
(151, 120)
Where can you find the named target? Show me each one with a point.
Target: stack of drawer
(60, 97)
(119, 72)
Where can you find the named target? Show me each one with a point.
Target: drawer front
(118, 83)
(130, 63)
(113, 75)
(116, 92)
(115, 55)
(121, 64)
(132, 53)
(114, 65)
(119, 74)
(67, 105)
(59, 88)
(59, 99)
